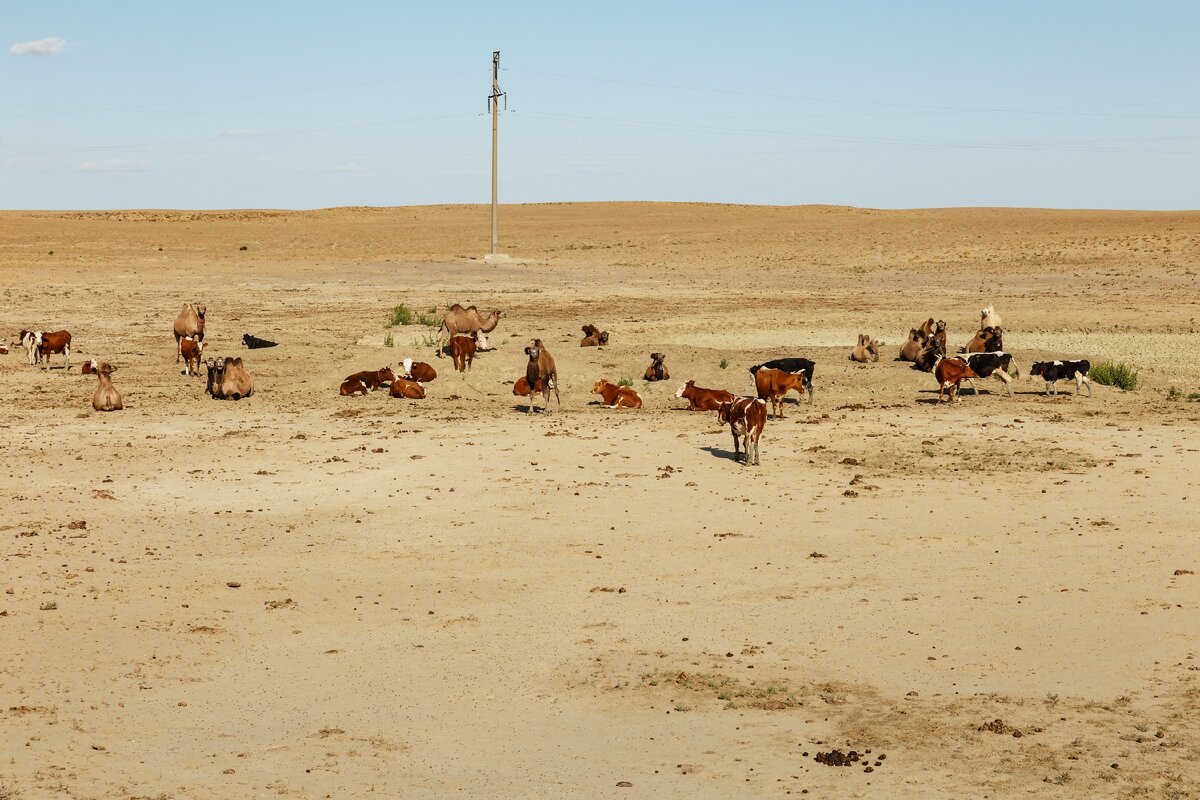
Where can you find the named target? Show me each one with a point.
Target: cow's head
(386, 375)
(723, 412)
(683, 389)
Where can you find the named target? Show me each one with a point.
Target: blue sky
(883, 104)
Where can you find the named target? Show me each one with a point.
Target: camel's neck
(489, 324)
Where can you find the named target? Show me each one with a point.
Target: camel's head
(201, 310)
(533, 352)
(105, 369)
(941, 326)
(986, 312)
(657, 358)
(216, 373)
(603, 337)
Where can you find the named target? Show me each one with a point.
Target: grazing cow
(541, 369)
(796, 366)
(367, 381)
(190, 322)
(950, 372)
(657, 371)
(866, 351)
(406, 388)
(193, 353)
(521, 387)
(228, 379)
(746, 417)
(255, 343)
(987, 365)
(617, 396)
(462, 350)
(418, 371)
(593, 337)
(703, 399)
(1054, 371)
(774, 384)
(106, 397)
(55, 342)
(986, 340)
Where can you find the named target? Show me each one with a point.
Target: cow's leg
(67, 355)
(1003, 376)
(737, 453)
(1088, 384)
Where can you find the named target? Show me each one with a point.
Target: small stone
(233, 584)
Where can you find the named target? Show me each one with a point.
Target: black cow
(255, 343)
(1054, 371)
(796, 366)
(986, 365)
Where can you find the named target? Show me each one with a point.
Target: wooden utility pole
(493, 100)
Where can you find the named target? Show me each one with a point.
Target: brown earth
(307, 595)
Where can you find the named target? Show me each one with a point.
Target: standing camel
(541, 369)
(190, 322)
(459, 320)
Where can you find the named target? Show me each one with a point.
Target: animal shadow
(720, 452)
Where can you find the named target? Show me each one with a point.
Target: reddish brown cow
(406, 388)
(521, 387)
(950, 372)
(367, 381)
(774, 384)
(55, 342)
(192, 351)
(703, 399)
(462, 350)
(617, 396)
(418, 371)
(746, 417)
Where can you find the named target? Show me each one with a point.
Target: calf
(367, 381)
(406, 388)
(950, 372)
(192, 350)
(255, 343)
(797, 366)
(657, 371)
(418, 371)
(1054, 371)
(703, 399)
(521, 387)
(617, 396)
(746, 417)
(987, 365)
(55, 342)
(774, 384)
(462, 350)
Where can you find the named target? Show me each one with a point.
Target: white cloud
(239, 132)
(349, 166)
(114, 165)
(51, 46)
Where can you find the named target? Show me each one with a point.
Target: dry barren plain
(310, 596)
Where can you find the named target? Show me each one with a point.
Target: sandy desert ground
(311, 596)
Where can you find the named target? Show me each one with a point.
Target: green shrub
(1122, 375)
(401, 315)
(724, 363)
(1173, 393)
(625, 382)
(389, 340)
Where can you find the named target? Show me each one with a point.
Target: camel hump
(472, 308)
(458, 307)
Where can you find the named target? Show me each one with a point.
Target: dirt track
(447, 597)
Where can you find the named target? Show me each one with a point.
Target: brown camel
(459, 320)
(190, 322)
(106, 398)
(541, 368)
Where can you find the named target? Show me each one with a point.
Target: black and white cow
(986, 365)
(796, 366)
(1054, 371)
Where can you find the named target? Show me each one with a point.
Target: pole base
(499, 258)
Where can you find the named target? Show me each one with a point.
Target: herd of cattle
(463, 333)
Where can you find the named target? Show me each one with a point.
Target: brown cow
(950, 372)
(703, 399)
(746, 417)
(617, 396)
(418, 371)
(521, 387)
(367, 381)
(193, 353)
(541, 369)
(462, 350)
(54, 342)
(657, 371)
(406, 388)
(774, 384)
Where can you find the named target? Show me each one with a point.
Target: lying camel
(987, 340)
(867, 350)
(657, 371)
(106, 398)
(190, 322)
(228, 379)
(913, 347)
(459, 320)
(593, 337)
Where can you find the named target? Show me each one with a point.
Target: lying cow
(1054, 371)
(255, 343)
(367, 381)
(418, 371)
(746, 417)
(797, 366)
(703, 399)
(406, 388)
(616, 396)
(521, 387)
